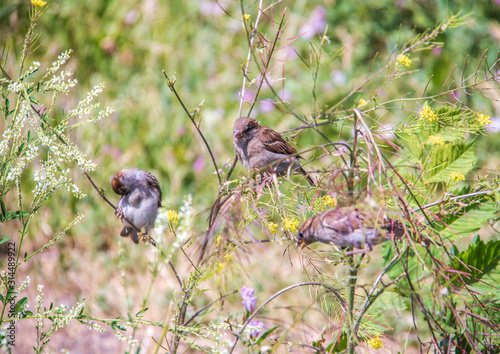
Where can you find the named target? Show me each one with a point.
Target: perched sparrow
(139, 201)
(257, 147)
(348, 227)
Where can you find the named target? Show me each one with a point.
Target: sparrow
(139, 202)
(349, 227)
(258, 147)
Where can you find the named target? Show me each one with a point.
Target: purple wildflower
(199, 164)
(249, 300)
(266, 105)
(315, 24)
(248, 96)
(285, 95)
(258, 328)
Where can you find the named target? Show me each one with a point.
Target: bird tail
(396, 229)
(126, 231)
(135, 236)
(309, 179)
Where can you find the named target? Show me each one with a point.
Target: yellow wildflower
(39, 3)
(457, 176)
(436, 140)
(246, 17)
(427, 113)
(483, 119)
(404, 60)
(291, 224)
(229, 257)
(329, 201)
(362, 103)
(220, 267)
(375, 343)
(172, 216)
(272, 227)
(217, 240)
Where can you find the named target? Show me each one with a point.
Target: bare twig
(171, 86)
(208, 305)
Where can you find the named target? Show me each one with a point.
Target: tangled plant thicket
(414, 168)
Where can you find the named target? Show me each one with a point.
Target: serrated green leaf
(458, 157)
(468, 221)
(481, 260)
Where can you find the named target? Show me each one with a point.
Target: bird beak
(301, 244)
(238, 134)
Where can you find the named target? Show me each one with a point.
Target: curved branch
(171, 86)
(332, 290)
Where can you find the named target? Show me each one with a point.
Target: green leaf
(20, 305)
(34, 100)
(21, 148)
(265, 335)
(338, 345)
(141, 312)
(14, 215)
(480, 260)
(3, 211)
(466, 221)
(457, 157)
(4, 239)
(409, 261)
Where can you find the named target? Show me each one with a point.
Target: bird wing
(153, 183)
(274, 142)
(341, 222)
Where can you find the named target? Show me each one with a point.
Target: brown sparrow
(258, 147)
(349, 227)
(139, 201)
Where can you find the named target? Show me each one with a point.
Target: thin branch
(207, 306)
(171, 86)
(335, 292)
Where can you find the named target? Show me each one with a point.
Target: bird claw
(119, 213)
(144, 236)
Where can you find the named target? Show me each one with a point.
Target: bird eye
(301, 235)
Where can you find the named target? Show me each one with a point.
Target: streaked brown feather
(274, 142)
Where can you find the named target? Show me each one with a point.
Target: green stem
(351, 292)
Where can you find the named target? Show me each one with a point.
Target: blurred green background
(127, 44)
